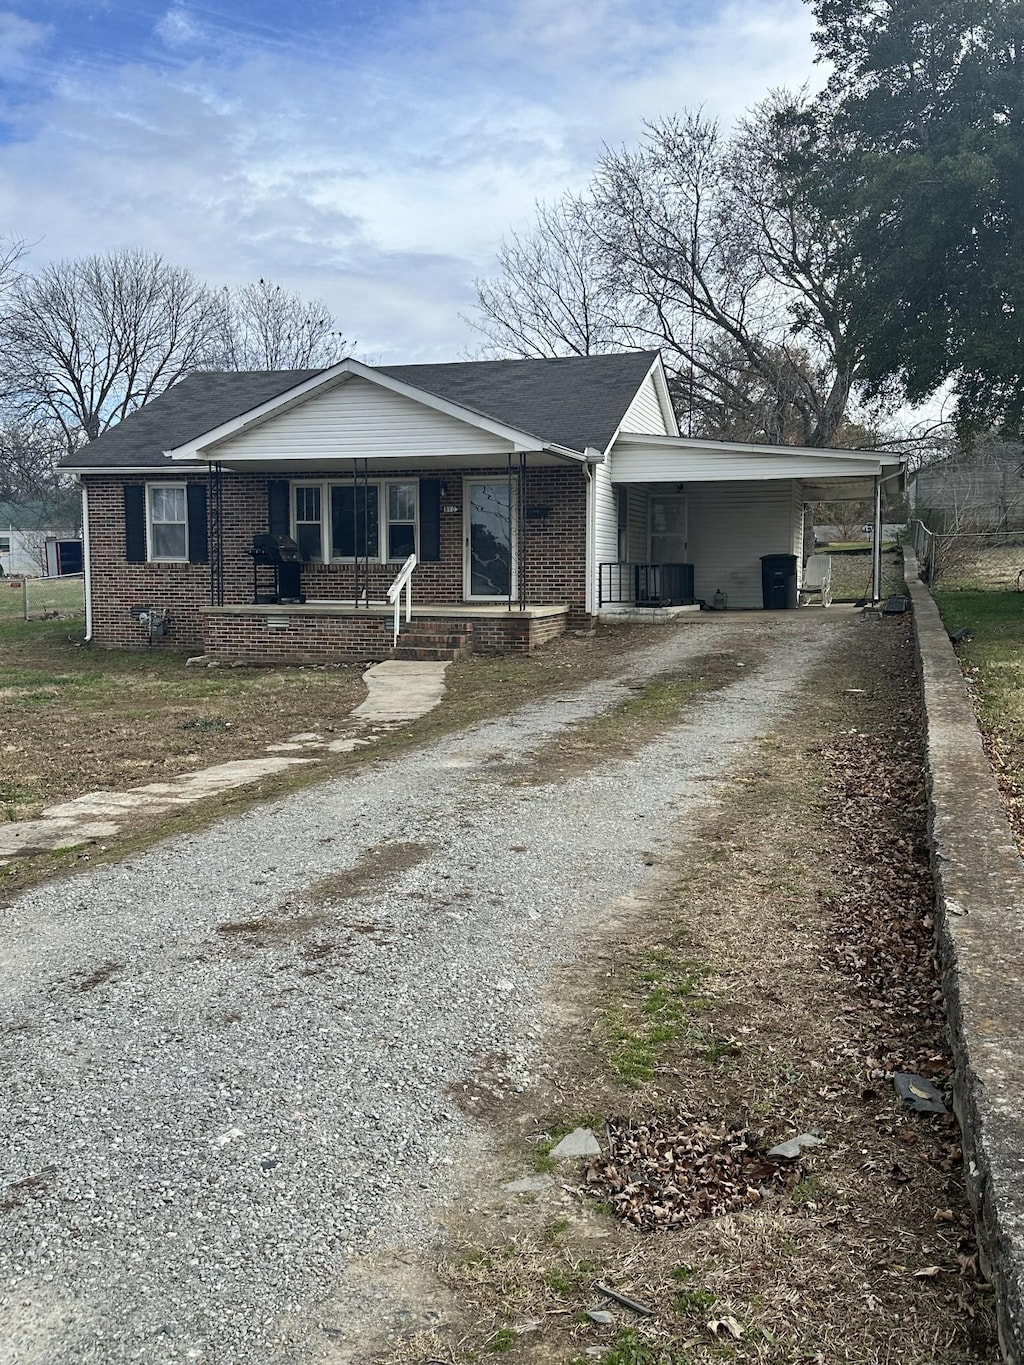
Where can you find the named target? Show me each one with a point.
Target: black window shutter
(430, 520)
(279, 515)
(135, 523)
(195, 498)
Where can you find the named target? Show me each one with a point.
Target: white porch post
(876, 546)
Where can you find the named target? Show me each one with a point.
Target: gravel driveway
(226, 1059)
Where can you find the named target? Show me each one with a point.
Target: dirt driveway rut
(226, 1059)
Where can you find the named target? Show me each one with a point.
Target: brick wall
(360, 638)
(554, 554)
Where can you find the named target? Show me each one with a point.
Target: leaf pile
(673, 1170)
(882, 913)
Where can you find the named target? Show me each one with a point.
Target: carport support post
(876, 546)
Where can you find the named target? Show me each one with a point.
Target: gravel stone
(223, 1093)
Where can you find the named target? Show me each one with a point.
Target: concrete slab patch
(401, 690)
(44, 836)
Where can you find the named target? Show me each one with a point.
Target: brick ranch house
(533, 494)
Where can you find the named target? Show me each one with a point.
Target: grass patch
(659, 1008)
(630, 1348)
(993, 664)
(626, 727)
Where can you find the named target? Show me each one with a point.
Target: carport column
(876, 545)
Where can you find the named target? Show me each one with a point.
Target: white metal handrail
(403, 579)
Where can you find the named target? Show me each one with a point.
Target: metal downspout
(86, 564)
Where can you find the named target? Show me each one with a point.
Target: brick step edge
(421, 639)
(424, 654)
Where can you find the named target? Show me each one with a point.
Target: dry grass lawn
(76, 719)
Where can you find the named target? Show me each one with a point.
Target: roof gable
(356, 418)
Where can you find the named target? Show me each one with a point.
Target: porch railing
(403, 581)
(644, 584)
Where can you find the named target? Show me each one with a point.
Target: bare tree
(552, 295)
(29, 458)
(263, 327)
(85, 342)
(709, 248)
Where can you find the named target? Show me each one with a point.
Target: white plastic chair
(817, 579)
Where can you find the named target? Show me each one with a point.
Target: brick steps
(430, 645)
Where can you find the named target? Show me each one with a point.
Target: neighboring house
(29, 535)
(536, 494)
(982, 493)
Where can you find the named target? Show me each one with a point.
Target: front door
(667, 528)
(489, 566)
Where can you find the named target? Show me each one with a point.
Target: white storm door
(489, 526)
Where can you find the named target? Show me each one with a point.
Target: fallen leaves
(674, 1169)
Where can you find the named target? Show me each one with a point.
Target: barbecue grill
(277, 562)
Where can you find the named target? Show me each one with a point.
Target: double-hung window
(309, 533)
(401, 521)
(167, 517)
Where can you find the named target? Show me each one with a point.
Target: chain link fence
(36, 599)
(992, 561)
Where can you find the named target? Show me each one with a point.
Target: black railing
(645, 585)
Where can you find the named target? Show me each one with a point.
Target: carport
(720, 506)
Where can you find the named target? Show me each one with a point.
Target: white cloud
(178, 29)
(19, 39)
(380, 179)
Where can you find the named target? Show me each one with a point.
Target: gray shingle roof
(574, 401)
(198, 403)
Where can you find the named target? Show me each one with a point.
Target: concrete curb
(979, 881)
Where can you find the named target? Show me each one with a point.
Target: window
(309, 521)
(378, 521)
(167, 522)
(355, 521)
(401, 520)
(622, 524)
(5, 545)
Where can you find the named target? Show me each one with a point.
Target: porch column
(876, 546)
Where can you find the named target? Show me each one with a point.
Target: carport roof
(825, 474)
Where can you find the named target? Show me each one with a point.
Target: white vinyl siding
(665, 462)
(357, 419)
(606, 526)
(731, 525)
(645, 414)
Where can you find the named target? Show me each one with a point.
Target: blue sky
(372, 154)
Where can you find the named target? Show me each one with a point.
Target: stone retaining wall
(979, 883)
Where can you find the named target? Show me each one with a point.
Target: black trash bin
(778, 582)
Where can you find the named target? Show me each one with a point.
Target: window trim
(384, 522)
(152, 558)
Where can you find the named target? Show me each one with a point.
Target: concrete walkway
(397, 693)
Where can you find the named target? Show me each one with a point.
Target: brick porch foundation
(320, 633)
